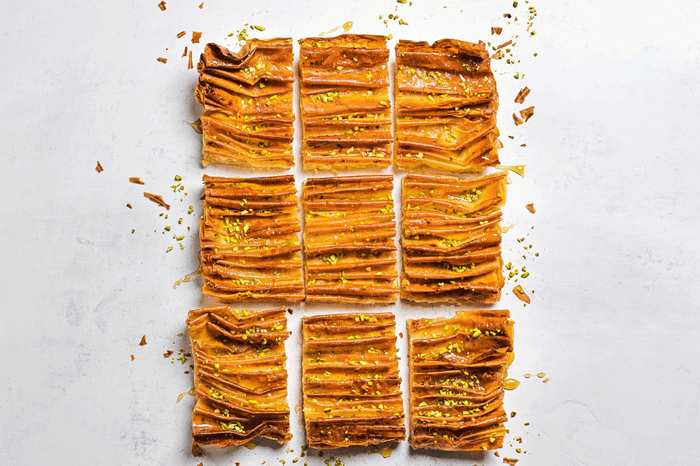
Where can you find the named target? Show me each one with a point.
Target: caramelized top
(345, 103)
(240, 376)
(248, 104)
(351, 381)
(349, 239)
(458, 367)
(249, 239)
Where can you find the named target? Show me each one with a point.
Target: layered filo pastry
(446, 102)
(249, 236)
(350, 254)
(458, 367)
(451, 237)
(345, 104)
(248, 117)
(240, 379)
(351, 383)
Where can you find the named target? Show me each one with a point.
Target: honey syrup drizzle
(345, 27)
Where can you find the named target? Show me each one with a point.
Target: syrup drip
(519, 169)
(186, 278)
(345, 27)
(511, 384)
(386, 452)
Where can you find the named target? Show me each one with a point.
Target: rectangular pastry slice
(446, 102)
(345, 104)
(248, 118)
(349, 239)
(458, 367)
(240, 379)
(451, 238)
(351, 382)
(250, 239)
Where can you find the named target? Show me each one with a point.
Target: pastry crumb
(520, 98)
(531, 207)
(520, 294)
(505, 44)
(99, 167)
(527, 113)
(143, 341)
(157, 199)
(197, 451)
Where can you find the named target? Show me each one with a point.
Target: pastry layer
(240, 379)
(351, 383)
(451, 238)
(458, 367)
(349, 239)
(446, 102)
(345, 104)
(250, 241)
(248, 118)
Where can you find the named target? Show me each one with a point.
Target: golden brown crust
(248, 118)
(458, 366)
(240, 378)
(446, 102)
(451, 238)
(351, 382)
(249, 238)
(349, 239)
(345, 105)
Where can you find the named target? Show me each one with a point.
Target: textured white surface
(612, 156)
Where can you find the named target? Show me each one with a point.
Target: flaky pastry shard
(248, 118)
(345, 104)
(350, 255)
(451, 238)
(240, 379)
(249, 237)
(458, 366)
(446, 102)
(351, 383)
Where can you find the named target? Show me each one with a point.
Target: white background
(612, 168)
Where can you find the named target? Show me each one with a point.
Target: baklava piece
(452, 238)
(345, 105)
(349, 240)
(248, 118)
(446, 104)
(250, 239)
(240, 378)
(351, 382)
(458, 367)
